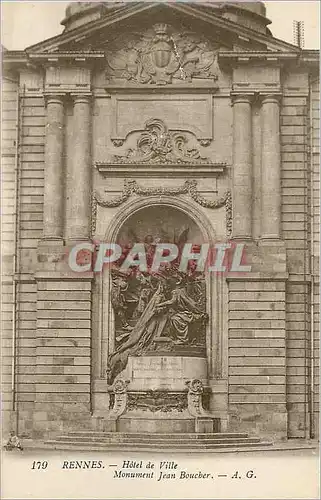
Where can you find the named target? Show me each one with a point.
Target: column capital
(81, 98)
(242, 97)
(273, 98)
(54, 98)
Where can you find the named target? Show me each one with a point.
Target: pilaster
(271, 168)
(53, 182)
(242, 166)
(79, 207)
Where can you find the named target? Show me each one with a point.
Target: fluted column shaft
(79, 203)
(53, 175)
(270, 167)
(242, 167)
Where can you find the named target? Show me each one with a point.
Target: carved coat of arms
(163, 55)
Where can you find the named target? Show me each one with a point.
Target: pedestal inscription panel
(163, 372)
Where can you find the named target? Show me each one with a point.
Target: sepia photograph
(160, 225)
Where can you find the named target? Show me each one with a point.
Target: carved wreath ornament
(157, 145)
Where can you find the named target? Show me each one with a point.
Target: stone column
(270, 167)
(53, 178)
(79, 212)
(242, 167)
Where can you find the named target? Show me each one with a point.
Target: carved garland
(156, 401)
(228, 207)
(189, 187)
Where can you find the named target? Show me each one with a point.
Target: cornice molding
(15, 60)
(161, 169)
(192, 11)
(76, 56)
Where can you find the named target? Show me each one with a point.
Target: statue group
(158, 312)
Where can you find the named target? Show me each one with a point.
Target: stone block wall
(257, 366)
(315, 189)
(31, 166)
(53, 318)
(63, 358)
(10, 111)
(296, 130)
(294, 123)
(28, 114)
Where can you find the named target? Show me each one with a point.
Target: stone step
(156, 441)
(139, 446)
(96, 440)
(178, 436)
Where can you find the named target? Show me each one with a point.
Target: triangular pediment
(135, 21)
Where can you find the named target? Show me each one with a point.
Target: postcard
(160, 250)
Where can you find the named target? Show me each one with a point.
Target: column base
(72, 242)
(51, 241)
(50, 254)
(270, 241)
(239, 239)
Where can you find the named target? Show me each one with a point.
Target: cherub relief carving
(161, 55)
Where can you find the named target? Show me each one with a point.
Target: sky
(26, 23)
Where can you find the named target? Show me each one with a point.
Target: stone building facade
(135, 115)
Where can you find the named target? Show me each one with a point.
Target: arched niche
(184, 213)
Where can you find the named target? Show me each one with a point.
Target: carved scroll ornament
(194, 398)
(120, 401)
(157, 144)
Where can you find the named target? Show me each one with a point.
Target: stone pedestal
(161, 373)
(161, 394)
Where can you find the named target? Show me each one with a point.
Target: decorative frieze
(189, 187)
(67, 79)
